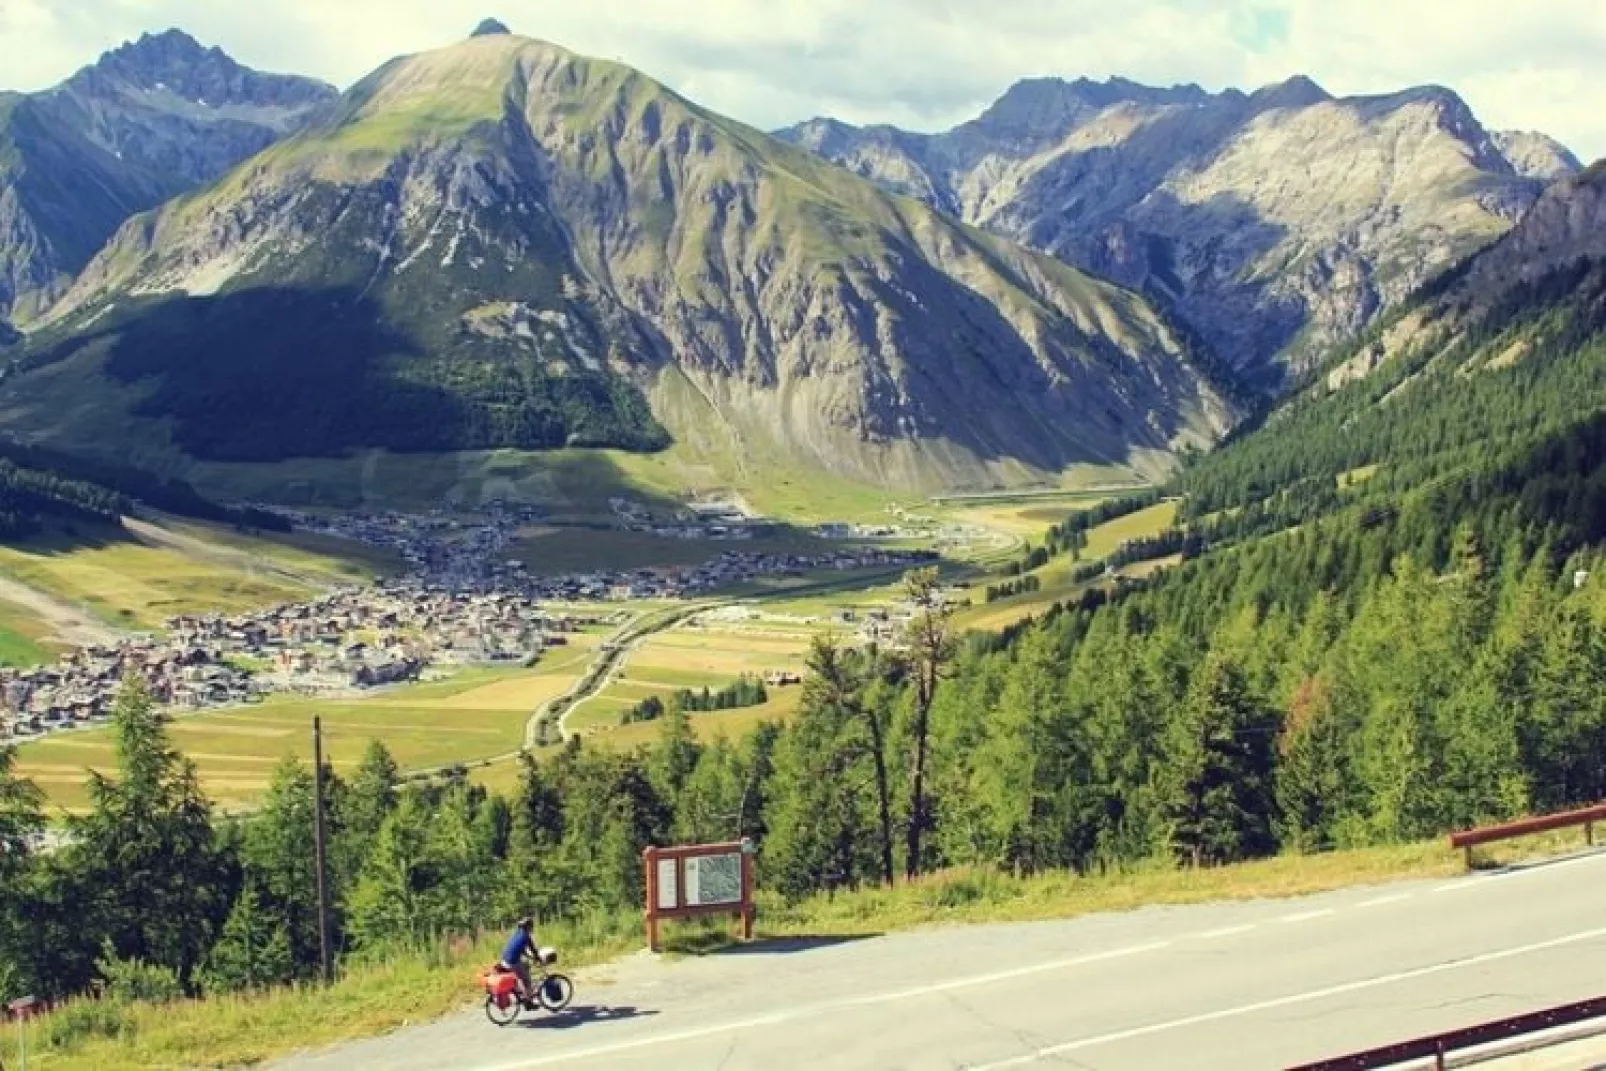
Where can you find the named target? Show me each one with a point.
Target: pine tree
(279, 866)
(144, 863)
(1217, 781)
(931, 650)
(253, 950)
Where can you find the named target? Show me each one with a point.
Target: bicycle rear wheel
(499, 1014)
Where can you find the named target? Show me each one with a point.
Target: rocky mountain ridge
(524, 239)
(1276, 224)
(147, 122)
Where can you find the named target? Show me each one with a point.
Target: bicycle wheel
(499, 1014)
(555, 992)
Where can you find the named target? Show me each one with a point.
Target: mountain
(501, 243)
(1491, 361)
(150, 120)
(1275, 224)
(1535, 155)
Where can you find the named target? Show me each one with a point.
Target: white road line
(1283, 1002)
(1379, 901)
(1227, 931)
(1306, 916)
(814, 1011)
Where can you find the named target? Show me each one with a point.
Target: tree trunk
(883, 797)
(917, 777)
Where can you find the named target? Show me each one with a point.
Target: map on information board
(714, 879)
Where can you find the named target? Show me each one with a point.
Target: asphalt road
(1245, 985)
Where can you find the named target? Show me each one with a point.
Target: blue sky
(924, 64)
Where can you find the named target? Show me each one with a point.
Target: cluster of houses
(463, 600)
(717, 520)
(83, 684)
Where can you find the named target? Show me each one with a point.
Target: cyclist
(520, 946)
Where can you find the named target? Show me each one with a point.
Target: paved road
(1240, 986)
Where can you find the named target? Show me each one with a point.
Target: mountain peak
(491, 28)
(1299, 91)
(1050, 107)
(1535, 155)
(174, 62)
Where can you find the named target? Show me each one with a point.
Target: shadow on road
(1488, 867)
(775, 946)
(582, 1014)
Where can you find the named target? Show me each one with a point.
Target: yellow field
(1056, 575)
(717, 654)
(1027, 517)
(731, 724)
(690, 657)
(1147, 522)
(477, 714)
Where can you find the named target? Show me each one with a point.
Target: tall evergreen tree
(144, 862)
(931, 651)
(1217, 781)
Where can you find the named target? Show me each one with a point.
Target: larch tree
(931, 651)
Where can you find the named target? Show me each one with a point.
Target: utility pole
(318, 849)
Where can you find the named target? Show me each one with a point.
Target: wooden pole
(318, 849)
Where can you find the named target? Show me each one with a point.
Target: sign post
(698, 880)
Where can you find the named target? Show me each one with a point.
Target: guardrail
(1468, 839)
(1438, 1046)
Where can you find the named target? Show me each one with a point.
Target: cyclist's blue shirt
(517, 945)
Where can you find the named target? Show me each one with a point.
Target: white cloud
(921, 63)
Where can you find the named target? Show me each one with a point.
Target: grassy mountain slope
(504, 244)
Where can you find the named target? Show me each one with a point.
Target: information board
(692, 880)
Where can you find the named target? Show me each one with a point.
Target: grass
(1056, 575)
(133, 585)
(477, 714)
(26, 639)
(1101, 541)
(390, 992)
(341, 561)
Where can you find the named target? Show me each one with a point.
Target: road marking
(1227, 931)
(1379, 901)
(1283, 1002)
(1306, 916)
(814, 1011)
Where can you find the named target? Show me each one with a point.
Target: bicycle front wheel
(555, 992)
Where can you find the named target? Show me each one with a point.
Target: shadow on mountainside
(275, 372)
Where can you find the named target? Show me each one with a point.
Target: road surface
(1235, 986)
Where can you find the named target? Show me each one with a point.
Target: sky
(921, 64)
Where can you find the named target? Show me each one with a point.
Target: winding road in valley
(1240, 986)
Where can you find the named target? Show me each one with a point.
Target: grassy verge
(387, 993)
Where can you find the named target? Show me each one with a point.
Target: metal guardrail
(1468, 839)
(1438, 1046)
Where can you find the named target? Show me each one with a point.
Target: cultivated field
(694, 657)
(1056, 575)
(477, 714)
